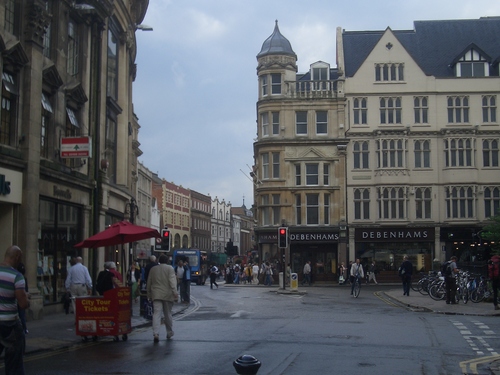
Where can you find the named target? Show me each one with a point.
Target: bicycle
(480, 290)
(357, 287)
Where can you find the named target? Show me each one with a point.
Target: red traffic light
(166, 233)
(282, 231)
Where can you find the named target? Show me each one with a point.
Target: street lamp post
(133, 210)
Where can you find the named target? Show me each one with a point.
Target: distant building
(201, 221)
(221, 225)
(174, 203)
(243, 235)
(145, 203)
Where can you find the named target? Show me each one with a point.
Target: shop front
(317, 245)
(388, 246)
(60, 227)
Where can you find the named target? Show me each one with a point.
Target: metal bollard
(247, 365)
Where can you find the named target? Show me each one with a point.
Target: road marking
(473, 363)
(477, 342)
(386, 300)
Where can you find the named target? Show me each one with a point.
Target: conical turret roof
(276, 44)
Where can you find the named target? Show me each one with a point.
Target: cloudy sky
(196, 87)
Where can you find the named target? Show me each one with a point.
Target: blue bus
(197, 262)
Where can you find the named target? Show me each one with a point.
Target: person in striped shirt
(12, 295)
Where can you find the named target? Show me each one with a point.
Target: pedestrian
(147, 269)
(405, 271)
(104, 280)
(494, 275)
(14, 296)
(133, 280)
(118, 275)
(356, 272)
(372, 271)
(255, 273)
(450, 281)
(183, 275)
(288, 274)
(179, 275)
(214, 271)
(237, 270)
(268, 272)
(22, 312)
(248, 273)
(162, 291)
(78, 281)
(187, 282)
(307, 273)
(342, 275)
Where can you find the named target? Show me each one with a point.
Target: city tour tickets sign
(108, 315)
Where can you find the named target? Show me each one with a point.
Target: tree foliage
(491, 232)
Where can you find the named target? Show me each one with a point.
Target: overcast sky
(196, 87)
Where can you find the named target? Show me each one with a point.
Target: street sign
(158, 244)
(76, 147)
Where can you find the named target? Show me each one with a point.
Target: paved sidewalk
(57, 331)
(418, 301)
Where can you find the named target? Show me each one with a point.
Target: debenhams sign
(395, 234)
(301, 237)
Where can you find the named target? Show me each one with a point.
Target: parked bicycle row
(459, 286)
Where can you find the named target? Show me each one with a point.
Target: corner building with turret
(299, 161)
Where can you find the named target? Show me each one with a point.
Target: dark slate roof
(276, 44)
(434, 45)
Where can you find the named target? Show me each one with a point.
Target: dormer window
(320, 71)
(472, 64)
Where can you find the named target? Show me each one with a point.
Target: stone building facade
(68, 135)
(423, 171)
(299, 160)
(201, 223)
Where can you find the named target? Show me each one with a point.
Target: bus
(197, 262)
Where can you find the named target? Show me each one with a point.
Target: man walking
(162, 290)
(450, 281)
(356, 273)
(12, 290)
(78, 281)
(307, 273)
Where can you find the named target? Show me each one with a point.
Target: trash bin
(294, 281)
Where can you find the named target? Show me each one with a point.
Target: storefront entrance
(323, 262)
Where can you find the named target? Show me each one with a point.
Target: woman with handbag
(133, 280)
(342, 270)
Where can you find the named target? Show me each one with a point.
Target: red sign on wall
(76, 147)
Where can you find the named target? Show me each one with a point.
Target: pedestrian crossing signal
(283, 237)
(165, 239)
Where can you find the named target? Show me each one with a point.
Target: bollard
(247, 365)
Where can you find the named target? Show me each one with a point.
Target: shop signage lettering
(314, 237)
(301, 237)
(62, 193)
(4, 185)
(415, 234)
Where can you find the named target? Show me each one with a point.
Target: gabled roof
(434, 45)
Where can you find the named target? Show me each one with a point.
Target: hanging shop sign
(76, 147)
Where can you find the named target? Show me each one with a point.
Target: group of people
(250, 273)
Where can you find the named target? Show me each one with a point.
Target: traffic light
(283, 237)
(165, 239)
